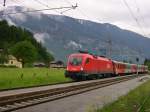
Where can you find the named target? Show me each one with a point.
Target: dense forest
(21, 43)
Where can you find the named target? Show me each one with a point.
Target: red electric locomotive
(82, 66)
(86, 66)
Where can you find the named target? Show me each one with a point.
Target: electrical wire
(38, 10)
(71, 7)
(134, 17)
(45, 5)
(79, 10)
(29, 11)
(109, 41)
(139, 12)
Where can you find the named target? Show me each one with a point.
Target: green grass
(139, 97)
(16, 78)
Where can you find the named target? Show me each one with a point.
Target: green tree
(147, 62)
(25, 52)
(10, 35)
(4, 54)
(3, 58)
(44, 56)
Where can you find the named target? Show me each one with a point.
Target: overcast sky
(103, 11)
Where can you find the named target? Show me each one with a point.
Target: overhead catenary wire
(29, 11)
(71, 7)
(55, 9)
(139, 12)
(39, 2)
(142, 19)
(62, 13)
(38, 10)
(79, 10)
(136, 20)
(45, 5)
(50, 8)
(108, 41)
(134, 17)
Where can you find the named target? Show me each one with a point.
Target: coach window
(87, 60)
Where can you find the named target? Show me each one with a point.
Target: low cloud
(104, 11)
(40, 37)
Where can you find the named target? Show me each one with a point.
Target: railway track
(14, 102)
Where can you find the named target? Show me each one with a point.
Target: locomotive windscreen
(75, 60)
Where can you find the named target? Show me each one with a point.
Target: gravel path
(89, 100)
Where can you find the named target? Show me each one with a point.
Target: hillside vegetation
(21, 43)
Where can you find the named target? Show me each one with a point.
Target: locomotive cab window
(75, 61)
(87, 61)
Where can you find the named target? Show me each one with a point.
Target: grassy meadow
(138, 100)
(26, 77)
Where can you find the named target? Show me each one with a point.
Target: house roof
(39, 63)
(11, 57)
(57, 62)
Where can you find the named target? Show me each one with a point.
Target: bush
(28, 65)
(3, 66)
(11, 66)
(8, 66)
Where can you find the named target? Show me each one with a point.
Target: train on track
(86, 66)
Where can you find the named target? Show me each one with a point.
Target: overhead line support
(4, 3)
(73, 7)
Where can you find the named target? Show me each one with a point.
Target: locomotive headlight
(67, 69)
(81, 69)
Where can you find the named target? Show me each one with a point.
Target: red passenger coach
(119, 68)
(134, 68)
(124, 68)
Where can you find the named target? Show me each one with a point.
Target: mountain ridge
(63, 35)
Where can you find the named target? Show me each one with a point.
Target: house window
(11, 62)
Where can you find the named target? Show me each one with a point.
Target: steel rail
(18, 101)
